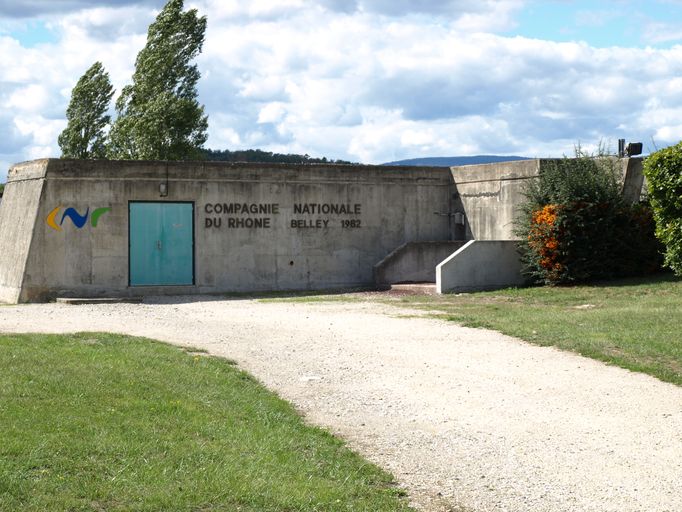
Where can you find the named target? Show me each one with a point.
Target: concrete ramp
(480, 265)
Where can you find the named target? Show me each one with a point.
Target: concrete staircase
(414, 262)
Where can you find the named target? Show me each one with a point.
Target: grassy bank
(632, 323)
(106, 422)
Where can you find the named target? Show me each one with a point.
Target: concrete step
(413, 289)
(76, 301)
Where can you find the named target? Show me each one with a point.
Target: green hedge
(663, 171)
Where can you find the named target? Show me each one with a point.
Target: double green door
(161, 243)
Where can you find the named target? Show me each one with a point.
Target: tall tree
(87, 117)
(159, 117)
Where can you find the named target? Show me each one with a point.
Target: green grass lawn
(634, 323)
(101, 422)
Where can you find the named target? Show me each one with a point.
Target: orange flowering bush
(543, 237)
(575, 226)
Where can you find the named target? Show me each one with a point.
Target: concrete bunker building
(76, 228)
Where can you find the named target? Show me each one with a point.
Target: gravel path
(464, 418)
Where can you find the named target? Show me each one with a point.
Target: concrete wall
(299, 246)
(480, 265)
(389, 206)
(490, 194)
(414, 262)
(633, 179)
(18, 214)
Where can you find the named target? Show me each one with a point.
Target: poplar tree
(159, 117)
(87, 117)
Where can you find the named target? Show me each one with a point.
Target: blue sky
(370, 80)
(601, 24)
(29, 33)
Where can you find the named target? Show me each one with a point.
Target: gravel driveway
(464, 418)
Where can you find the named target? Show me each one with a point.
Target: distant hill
(450, 161)
(259, 156)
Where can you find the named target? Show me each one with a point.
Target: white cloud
(106, 24)
(32, 8)
(263, 88)
(227, 10)
(498, 16)
(272, 113)
(228, 135)
(670, 132)
(451, 8)
(33, 98)
(368, 81)
(43, 131)
(660, 32)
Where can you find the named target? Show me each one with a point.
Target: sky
(369, 80)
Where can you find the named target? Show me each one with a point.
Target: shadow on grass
(660, 277)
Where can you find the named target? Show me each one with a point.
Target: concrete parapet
(633, 179)
(414, 262)
(480, 265)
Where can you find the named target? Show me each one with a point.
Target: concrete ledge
(480, 265)
(413, 289)
(94, 293)
(74, 301)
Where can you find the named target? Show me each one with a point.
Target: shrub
(663, 171)
(576, 227)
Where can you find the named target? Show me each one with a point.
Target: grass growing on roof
(109, 422)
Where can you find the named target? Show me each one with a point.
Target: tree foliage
(575, 225)
(663, 171)
(159, 117)
(586, 178)
(84, 136)
(257, 155)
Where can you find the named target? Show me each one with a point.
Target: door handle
(158, 244)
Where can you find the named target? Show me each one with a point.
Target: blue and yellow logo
(78, 220)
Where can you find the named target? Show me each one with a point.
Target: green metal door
(161, 243)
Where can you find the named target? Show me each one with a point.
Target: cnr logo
(78, 220)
